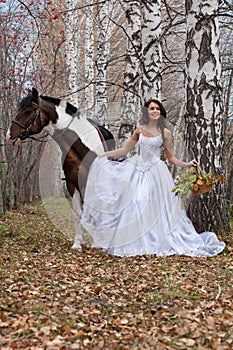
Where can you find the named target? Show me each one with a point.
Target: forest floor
(53, 297)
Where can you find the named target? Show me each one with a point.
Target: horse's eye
(23, 135)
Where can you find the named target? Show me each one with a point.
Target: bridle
(25, 133)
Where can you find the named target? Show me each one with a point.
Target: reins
(25, 133)
(11, 159)
(100, 135)
(38, 139)
(32, 138)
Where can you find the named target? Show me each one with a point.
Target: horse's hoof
(76, 246)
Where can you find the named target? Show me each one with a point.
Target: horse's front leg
(79, 233)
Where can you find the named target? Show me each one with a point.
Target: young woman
(129, 208)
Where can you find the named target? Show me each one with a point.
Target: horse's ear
(35, 94)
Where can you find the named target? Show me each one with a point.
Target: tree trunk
(2, 175)
(72, 25)
(102, 63)
(151, 56)
(89, 64)
(142, 78)
(132, 75)
(228, 150)
(204, 114)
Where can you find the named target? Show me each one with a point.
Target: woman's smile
(154, 111)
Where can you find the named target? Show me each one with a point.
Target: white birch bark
(72, 24)
(131, 93)
(103, 47)
(151, 55)
(142, 79)
(89, 63)
(204, 114)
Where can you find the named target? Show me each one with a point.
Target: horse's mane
(25, 102)
(70, 109)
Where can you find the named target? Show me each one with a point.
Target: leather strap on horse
(100, 135)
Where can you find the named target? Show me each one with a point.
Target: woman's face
(154, 111)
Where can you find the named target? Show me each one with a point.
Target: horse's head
(27, 121)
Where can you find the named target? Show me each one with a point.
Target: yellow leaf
(228, 314)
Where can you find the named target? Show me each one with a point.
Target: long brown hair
(145, 116)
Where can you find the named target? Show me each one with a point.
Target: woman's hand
(101, 156)
(192, 163)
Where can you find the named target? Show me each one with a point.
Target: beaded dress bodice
(150, 147)
(149, 154)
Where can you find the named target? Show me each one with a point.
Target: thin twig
(219, 293)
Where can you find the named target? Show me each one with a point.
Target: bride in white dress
(129, 208)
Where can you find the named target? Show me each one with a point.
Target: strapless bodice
(150, 147)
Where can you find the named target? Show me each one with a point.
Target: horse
(80, 140)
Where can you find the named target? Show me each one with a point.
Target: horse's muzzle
(11, 141)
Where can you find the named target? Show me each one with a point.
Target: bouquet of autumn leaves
(195, 181)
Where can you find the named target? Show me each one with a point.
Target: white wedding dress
(129, 208)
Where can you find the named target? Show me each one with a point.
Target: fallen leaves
(55, 298)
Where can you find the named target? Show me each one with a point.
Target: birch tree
(102, 57)
(142, 77)
(227, 83)
(16, 55)
(204, 110)
(72, 25)
(132, 76)
(151, 67)
(89, 63)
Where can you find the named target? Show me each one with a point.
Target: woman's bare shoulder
(135, 135)
(167, 132)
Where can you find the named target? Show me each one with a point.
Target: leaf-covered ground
(55, 298)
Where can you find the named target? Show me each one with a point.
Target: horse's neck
(76, 157)
(81, 126)
(59, 121)
(54, 117)
(71, 145)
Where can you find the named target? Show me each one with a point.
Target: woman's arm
(122, 151)
(170, 153)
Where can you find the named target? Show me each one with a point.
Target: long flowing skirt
(129, 209)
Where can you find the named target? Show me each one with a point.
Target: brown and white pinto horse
(79, 139)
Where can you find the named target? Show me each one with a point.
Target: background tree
(31, 53)
(89, 62)
(151, 56)
(102, 58)
(15, 48)
(225, 16)
(131, 75)
(142, 77)
(204, 110)
(72, 24)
